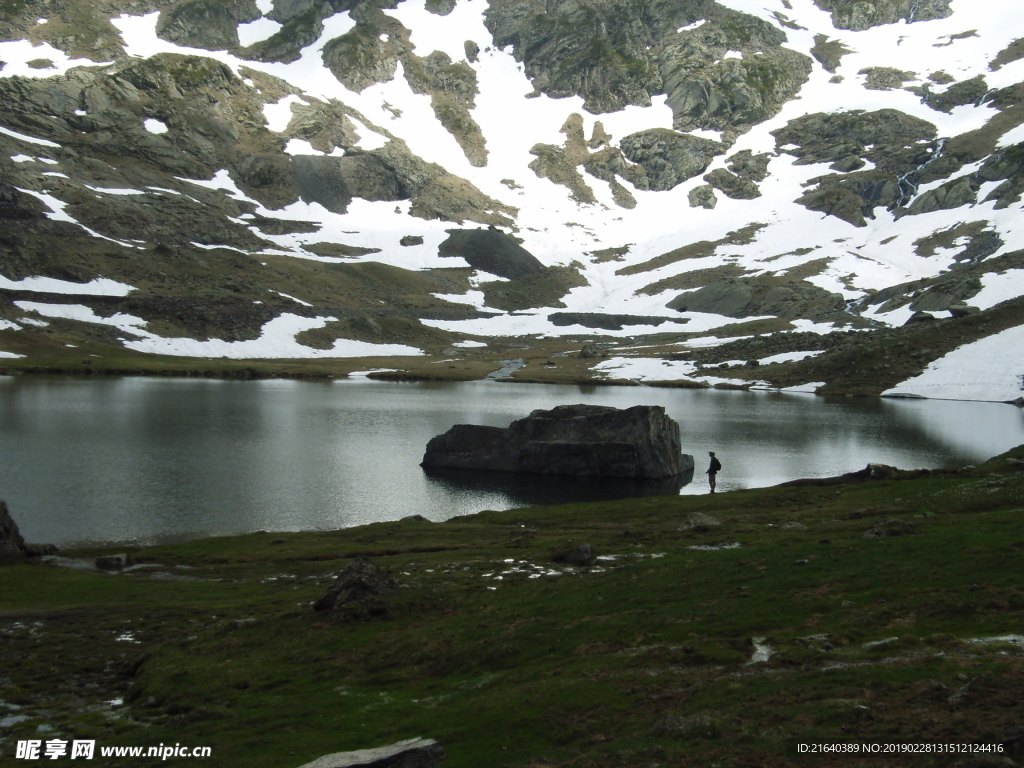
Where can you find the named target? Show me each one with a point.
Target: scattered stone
(355, 592)
(412, 753)
(698, 725)
(921, 317)
(581, 556)
(891, 527)
(584, 440)
(802, 562)
(112, 562)
(411, 240)
(698, 522)
(591, 351)
(702, 197)
(793, 526)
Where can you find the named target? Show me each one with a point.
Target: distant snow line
(276, 341)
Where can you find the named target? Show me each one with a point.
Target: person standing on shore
(716, 465)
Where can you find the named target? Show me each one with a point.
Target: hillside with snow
(805, 194)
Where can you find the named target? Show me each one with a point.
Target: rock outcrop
(586, 440)
(356, 592)
(12, 545)
(491, 250)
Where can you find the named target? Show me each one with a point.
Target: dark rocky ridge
(491, 250)
(587, 440)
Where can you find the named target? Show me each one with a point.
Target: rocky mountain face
(426, 179)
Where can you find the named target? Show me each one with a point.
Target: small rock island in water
(588, 440)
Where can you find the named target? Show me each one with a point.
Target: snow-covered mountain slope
(290, 178)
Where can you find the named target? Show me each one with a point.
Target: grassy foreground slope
(893, 612)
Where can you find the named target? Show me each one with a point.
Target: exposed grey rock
(707, 91)
(859, 15)
(491, 250)
(793, 526)
(408, 240)
(920, 317)
(890, 527)
(592, 351)
(961, 310)
(957, 95)
(885, 78)
(702, 724)
(702, 197)
(732, 185)
(587, 440)
(747, 165)
(743, 297)
(111, 562)
(208, 25)
(580, 556)
(412, 753)
(698, 522)
(665, 158)
(952, 194)
(356, 591)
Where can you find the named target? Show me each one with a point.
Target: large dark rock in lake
(590, 440)
(12, 545)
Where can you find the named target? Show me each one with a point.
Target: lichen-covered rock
(743, 297)
(707, 91)
(702, 197)
(732, 185)
(586, 440)
(863, 14)
(357, 590)
(208, 24)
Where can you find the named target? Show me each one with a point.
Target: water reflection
(109, 459)
(521, 490)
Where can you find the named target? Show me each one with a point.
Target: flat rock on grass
(412, 753)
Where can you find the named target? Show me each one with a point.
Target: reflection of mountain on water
(524, 489)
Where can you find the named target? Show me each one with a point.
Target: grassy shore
(653, 656)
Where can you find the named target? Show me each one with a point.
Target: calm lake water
(136, 459)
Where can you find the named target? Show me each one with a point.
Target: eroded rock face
(858, 14)
(585, 440)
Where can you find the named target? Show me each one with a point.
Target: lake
(154, 459)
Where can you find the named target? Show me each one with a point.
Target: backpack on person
(716, 465)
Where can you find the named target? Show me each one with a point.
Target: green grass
(642, 659)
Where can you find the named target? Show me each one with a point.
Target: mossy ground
(643, 659)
